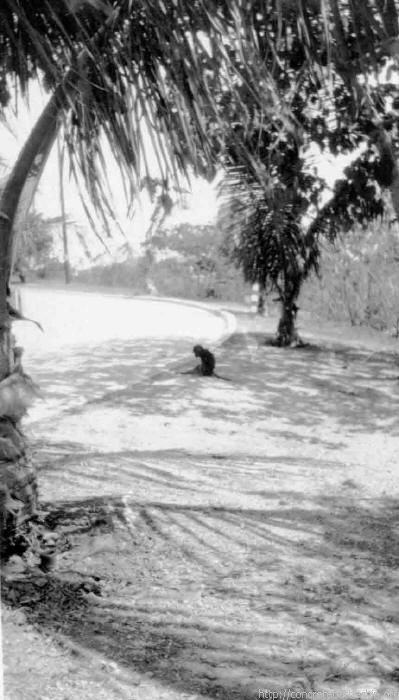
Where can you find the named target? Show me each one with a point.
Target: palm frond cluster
(187, 72)
(273, 234)
(264, 234)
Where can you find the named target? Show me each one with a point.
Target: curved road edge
(228, 317)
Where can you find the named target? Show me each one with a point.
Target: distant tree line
(184, 260)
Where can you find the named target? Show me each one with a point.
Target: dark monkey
(207, 366)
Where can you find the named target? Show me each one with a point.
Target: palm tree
(118, 69)
(265, 235)
(274, 235)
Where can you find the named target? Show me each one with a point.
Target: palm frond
(130, 67)
(263, 234)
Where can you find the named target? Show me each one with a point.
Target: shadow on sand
(202, 570)
(225, 601)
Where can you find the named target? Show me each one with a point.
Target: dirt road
(220, 539)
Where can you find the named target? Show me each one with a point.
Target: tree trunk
(395, 190)
(18, 488)
(261, 308)
(390, 166)
(286, 332)
(67, 265)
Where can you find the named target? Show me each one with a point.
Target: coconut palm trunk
(18, 488)
(287, 334)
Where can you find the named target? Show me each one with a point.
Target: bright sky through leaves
(200, 207)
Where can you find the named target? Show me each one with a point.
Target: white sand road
(72, 317)
(243, 536)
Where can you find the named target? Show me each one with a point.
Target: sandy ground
(220, 539)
